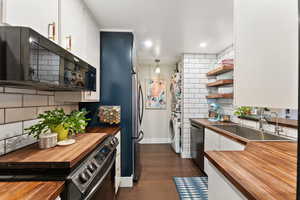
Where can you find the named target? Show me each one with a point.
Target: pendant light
(157, 68)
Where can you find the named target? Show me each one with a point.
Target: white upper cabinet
(85, 36)
(72, 18)
(36, 14)
(92, 52)
(266, 42)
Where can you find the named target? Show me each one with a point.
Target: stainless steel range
(94, 177)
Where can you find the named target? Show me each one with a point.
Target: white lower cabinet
(118, 164)
(211, 140)
(219, 187)
(214, 141)
(227, 144)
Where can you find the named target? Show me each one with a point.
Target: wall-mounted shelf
(220, 83)
(220, 96)
(220, 70)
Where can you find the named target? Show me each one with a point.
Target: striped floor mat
(192, 188)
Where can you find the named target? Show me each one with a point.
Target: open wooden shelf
(220, 83)
(220, 96)
(220, 70)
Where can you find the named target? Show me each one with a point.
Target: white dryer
(175, 130)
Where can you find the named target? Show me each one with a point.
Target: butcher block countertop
(64, 157)
(263, 171)
(111, 130)
(30, 190)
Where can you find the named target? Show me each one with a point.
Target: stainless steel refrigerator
(137, 114)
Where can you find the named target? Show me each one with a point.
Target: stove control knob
(116, 140)
(83, 177)
(92, 167)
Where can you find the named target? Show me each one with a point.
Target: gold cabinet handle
(69, 42)
(52, 31)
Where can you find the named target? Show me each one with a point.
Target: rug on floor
(192, 188)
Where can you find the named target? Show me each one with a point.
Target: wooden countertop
(263, 171)
(111, 130)
(30, 190)
(63, 157)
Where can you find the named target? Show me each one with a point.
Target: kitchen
(144, 99)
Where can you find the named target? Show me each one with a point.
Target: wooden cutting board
(61, 157)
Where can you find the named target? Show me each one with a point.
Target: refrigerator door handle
(141, 136)
(141, 112)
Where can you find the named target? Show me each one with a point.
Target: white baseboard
(185, 155)
(126, 181)
(156, 141)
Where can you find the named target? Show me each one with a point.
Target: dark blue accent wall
(116, 88)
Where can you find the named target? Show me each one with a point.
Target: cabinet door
(92, 48)
(227, 144)
(72, 25)
(36, 14)
(266, 53)
(220, 187)
(211, 141)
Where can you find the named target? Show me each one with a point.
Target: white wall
(156, 122)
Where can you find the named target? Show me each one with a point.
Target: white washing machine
(175, 130)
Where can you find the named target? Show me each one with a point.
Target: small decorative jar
(47, 140)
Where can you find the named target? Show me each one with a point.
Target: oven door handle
(92, 192)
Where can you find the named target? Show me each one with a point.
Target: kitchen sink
(250, 134)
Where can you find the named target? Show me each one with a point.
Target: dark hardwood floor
(159, 165)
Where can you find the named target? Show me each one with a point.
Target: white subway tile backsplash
(35, 100)
(18, 142)
(1, 116)
(2, 147)
(19, 91)
(20, 114)
(45, 93)
(43, 109)
(51, 101)
(10, 100)
(290, 132)
(10, 130)
(28, 123)
(18, 110)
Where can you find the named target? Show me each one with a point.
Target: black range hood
(29, 60)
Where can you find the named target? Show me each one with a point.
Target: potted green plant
(243, 111)
(59, 122)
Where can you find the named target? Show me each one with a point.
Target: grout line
(4, 116)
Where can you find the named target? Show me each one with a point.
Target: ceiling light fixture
(148, 44)
(157, 69)
(203, 45)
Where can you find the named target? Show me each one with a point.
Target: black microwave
(29, 59)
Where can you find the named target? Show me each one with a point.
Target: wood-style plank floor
(159, 165)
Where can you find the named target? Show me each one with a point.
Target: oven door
(104, 189)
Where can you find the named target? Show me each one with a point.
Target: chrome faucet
(261, 120)
(278, 128)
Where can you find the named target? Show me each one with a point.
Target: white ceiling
(174, 26)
